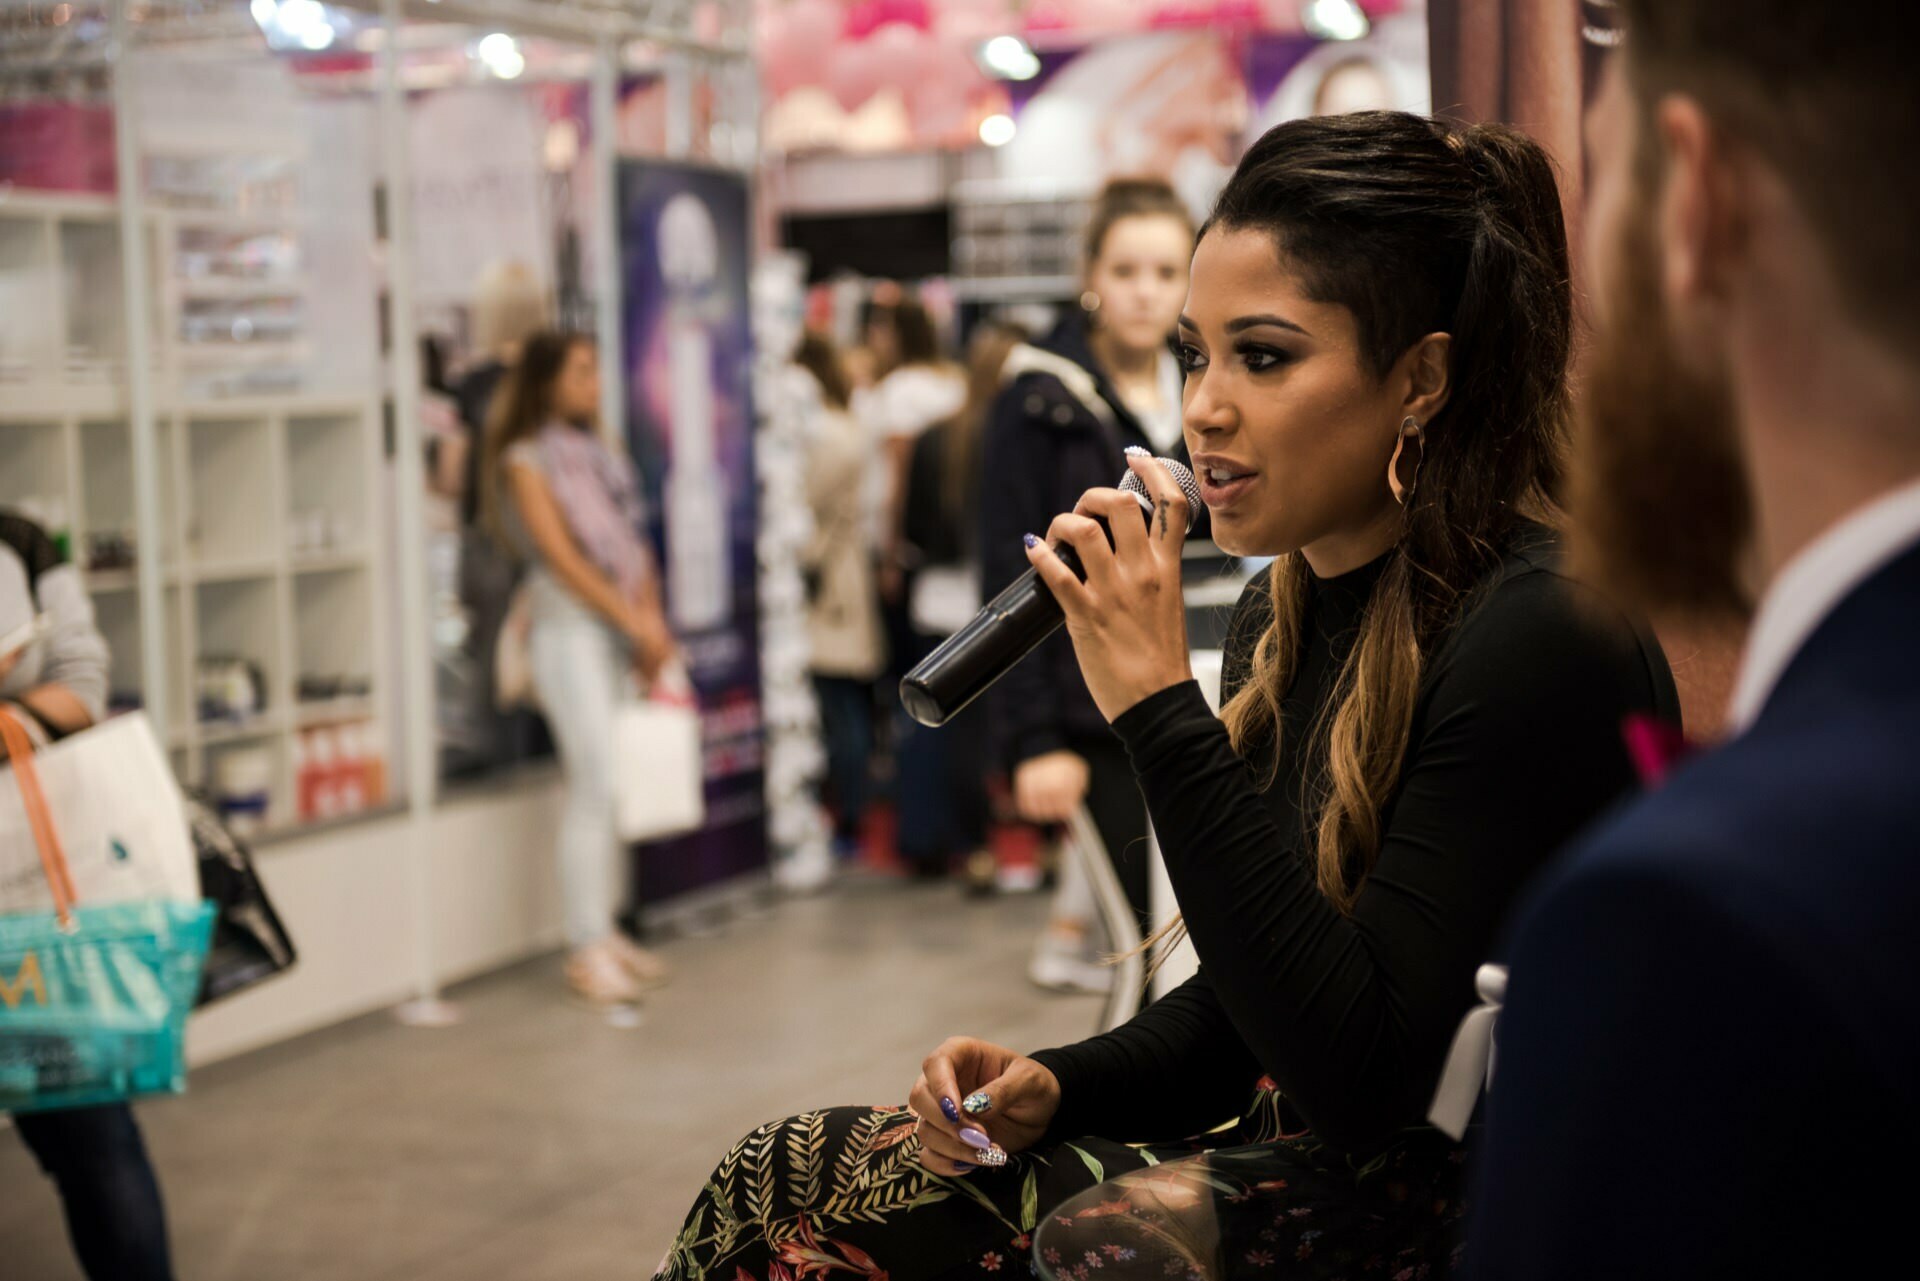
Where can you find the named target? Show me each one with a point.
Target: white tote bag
(119, 814)
(659, 781)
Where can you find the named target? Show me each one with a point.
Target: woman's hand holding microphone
(1128, 619)
(979, 1103)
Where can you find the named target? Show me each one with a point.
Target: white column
(679, 72)
(608, 284)
(410, 542)
(136, 287)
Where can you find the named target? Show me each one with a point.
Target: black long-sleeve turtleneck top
(1515, 746)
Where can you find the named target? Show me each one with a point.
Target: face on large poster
(684, 256)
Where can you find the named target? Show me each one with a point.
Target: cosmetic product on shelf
(338, 770)
(229, 689)
(109, 549)
(243, 789)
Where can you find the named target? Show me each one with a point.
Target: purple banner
(684, 238)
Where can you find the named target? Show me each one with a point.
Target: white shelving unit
(245, 484)
(269, 540)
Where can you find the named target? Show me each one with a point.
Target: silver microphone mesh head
(1182, 476)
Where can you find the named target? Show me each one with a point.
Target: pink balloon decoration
(1051, 15)
(795, 44)
(973, 21)
(903, 55)
(855, 72)
(940, 112)
(1237, 15)
(1178, 14)
(913, 13)
(863, 19)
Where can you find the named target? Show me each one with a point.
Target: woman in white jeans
(570, 506)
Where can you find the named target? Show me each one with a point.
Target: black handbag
(250, 944)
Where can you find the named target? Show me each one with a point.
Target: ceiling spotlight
(997, 131)
(500, 54)
(1334, 20)
(1009, 58)
(294, 24)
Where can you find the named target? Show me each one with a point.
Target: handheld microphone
(1011, 625)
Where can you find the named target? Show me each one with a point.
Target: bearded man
(1709, 1058)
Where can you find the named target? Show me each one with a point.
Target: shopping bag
(94, 1000)
(660, 786)
(249, 942)
(121, 821)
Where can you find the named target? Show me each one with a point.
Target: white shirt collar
(1812, 586)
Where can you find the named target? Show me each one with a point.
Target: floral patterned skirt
(840, 1195)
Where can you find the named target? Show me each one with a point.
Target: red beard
(1661, 517)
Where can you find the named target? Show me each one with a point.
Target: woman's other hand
(1050, 787)
(653, 644)
(1128, 619)
(978, 1103)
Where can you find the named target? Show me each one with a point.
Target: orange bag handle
(53, 859)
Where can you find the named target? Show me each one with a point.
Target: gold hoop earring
(1410, 429)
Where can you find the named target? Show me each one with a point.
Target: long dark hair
(520, 408)
(1417, 227)
(987, 352)
(817, 354)
(916, 338)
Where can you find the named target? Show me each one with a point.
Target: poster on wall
(684, 247)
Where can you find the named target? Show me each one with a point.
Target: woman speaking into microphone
(1420, 708)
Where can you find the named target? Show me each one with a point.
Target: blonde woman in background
(843, 602)
(570, 507)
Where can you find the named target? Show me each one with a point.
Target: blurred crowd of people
(935, 453)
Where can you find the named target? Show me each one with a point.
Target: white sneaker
(1061, 967)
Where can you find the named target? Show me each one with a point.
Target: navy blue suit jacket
(1709, 1060)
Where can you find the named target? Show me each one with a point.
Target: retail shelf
(237, 570)
(331, 562)
(60, 399)
(220, 220)
(333, 711)
(102, 582)
(240, 287)
(203, 355)
(18, 202)
(265, 725)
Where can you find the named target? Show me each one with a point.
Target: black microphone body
(1009, 627)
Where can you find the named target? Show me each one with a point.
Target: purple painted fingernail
(964, 1168)
(1031, 541)
(975, 1138)
(948, 1110)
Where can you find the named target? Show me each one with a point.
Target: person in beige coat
(844, 627)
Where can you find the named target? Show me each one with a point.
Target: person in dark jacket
(1103, 381)
(1707, 1058)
